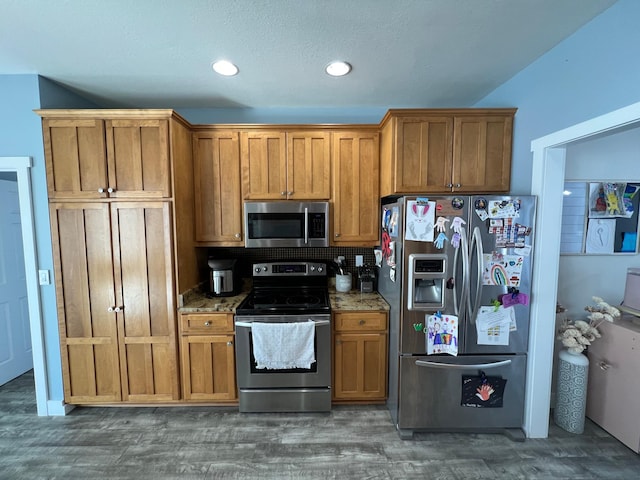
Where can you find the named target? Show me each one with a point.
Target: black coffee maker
(366, 279)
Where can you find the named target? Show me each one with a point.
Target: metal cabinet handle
(289, 193)
(337, 235)
(207, 324)
(604, 366)
(111, 309)
(101, 190)
(458, 185)
(283, 193)
(454, 366)
(111, 190)
(118, 309)
(449, 185)
(237, 235)
(229, 343)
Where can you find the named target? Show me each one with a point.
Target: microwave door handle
(306, 225)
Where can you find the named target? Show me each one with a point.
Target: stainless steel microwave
(286, 224)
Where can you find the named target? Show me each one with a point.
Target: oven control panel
(292, 269)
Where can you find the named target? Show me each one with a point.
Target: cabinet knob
(289, 193)
(111, 190)
(229, 343)
(207, 324)
(283, 193)
(101, 190)
(458, 185)
(361, 322)
(604, 366)
(337, 235)
(111, 309)
(449, 185)
(118, 309)
(237, 235)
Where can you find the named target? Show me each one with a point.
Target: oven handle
(248, 324)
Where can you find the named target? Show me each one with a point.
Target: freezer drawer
(431, 393)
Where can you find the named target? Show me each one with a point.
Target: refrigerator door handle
(464, 291)
(456, 366)
(476, 241)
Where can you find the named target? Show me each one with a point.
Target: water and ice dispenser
(427, 281)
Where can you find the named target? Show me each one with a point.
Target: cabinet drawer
(361, 321)
(206, 323)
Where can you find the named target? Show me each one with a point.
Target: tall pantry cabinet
(121, 215)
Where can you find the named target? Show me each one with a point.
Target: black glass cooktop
(276, 301)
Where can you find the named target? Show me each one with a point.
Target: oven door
(250, 377)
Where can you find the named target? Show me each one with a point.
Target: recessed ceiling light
(338, 69)
(224, 67)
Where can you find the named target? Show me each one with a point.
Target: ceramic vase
(571, 391)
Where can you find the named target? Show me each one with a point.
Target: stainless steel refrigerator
(461, 262)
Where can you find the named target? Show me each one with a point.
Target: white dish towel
(277, 346)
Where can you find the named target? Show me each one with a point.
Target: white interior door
(15, 340)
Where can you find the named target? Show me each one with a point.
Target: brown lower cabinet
(116, 312)
(208, 357)
(360, 356)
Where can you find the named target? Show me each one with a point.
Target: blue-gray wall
(593, 72)
(21, 136)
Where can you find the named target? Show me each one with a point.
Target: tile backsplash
(248, 256)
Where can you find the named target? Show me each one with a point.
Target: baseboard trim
(57, 408)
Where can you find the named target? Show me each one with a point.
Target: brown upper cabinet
(91, 157)
(444, 151)
(218, 198)
(356, 189)
(286, 165)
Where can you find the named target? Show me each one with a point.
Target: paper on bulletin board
(493, 325)
(502, 270)
(600, 235)
(442, 334)
(420, 219)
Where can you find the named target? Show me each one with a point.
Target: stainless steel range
(286, 296)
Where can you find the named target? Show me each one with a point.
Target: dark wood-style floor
(356, 442)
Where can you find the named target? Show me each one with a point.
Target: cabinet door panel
(360, 366)
(482, 153)
(217, 187)
(138, 155)
(264, 166)
(144, 289)
(75, 158)
(208, 367)
(308, 165)
(84, 293)
(424, 154)
(356, 188)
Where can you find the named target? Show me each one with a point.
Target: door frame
(547, 183)
(20, 166)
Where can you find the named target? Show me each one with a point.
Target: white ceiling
(405, 53)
